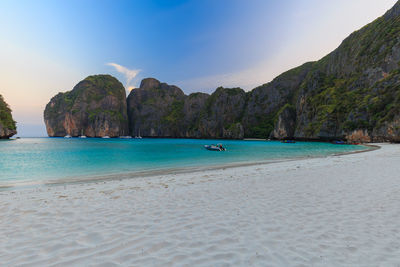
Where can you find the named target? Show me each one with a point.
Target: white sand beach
(333, 211)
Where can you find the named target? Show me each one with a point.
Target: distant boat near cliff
(82, 135)
(288, 141)
(138, 136)
(339, 142)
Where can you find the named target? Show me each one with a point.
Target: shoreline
(171, 171)
(379, 140)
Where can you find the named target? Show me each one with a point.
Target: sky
(49, 46)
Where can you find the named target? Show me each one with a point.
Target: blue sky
(48, 46)
(171, 39)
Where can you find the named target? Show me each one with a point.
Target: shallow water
(40, 159)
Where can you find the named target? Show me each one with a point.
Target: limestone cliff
(356, 87)
(155, 109)
(352, 93)
(193, 110)
(222, 114)
(161, 110)
(7, 124)
(285, 123)
(95, 107)
(264, 102)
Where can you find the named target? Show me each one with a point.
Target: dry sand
(333, 211)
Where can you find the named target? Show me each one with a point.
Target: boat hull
(212, 148)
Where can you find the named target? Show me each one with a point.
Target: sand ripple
(336, 211)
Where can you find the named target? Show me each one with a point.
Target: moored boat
(288, 141)
(138, 136)
(217, 147)
(82, 136)
(339, 142)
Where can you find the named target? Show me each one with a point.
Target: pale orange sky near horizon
(30, 77)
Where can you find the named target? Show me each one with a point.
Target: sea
(51, 160)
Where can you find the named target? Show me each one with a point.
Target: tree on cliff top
(5, 115)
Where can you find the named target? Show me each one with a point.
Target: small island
(8, 126)
(95, 107)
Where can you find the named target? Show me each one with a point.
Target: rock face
(95, 107)
(156, 109)
(354, 89)
(161, 110)
(264, 102)
(285, 123)
(222, 114)
(193, 112)
(353, 93)
(7, 124)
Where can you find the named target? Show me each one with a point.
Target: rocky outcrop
(388, 131)
(358, 136)
(160, 110)
(156, 109)
(193, 112)
(352, 93)
(95, 107)
(285, 123)
(354, 89)
(7, 124)
(222, 114)
(265, 101)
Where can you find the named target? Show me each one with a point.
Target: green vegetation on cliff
(6, 119)
(175, 114)
(96, 106)
(356, 87)
(263, 129)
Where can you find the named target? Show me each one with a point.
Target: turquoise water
(40, 159)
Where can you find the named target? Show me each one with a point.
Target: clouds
(129, 74)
